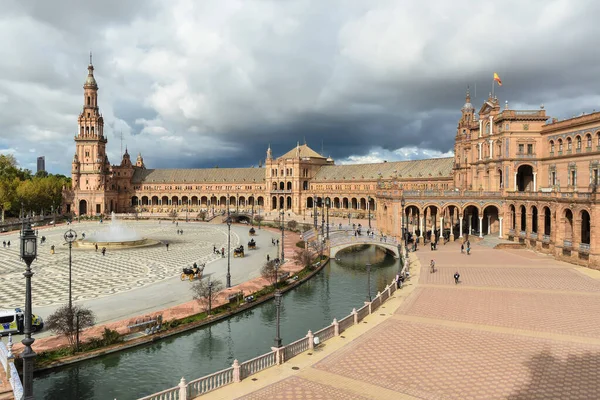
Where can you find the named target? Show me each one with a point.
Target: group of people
(180, 231)
(5, 243)
(432, 270)
(468, 247)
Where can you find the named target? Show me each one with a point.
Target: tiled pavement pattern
(296, 388)
(518, 326)
(95, 275)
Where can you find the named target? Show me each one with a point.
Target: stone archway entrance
(525, 179)
(491, 221)
(82, 207)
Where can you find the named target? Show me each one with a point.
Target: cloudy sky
(204, 83)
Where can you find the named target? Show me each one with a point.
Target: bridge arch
(388, 247)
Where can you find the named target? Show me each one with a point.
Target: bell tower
(90, 163)
(90, 168)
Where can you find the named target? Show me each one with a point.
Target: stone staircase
(495, 242)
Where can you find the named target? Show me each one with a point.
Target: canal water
(144, 370)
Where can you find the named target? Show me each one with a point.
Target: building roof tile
(237, 175)
(433, 167)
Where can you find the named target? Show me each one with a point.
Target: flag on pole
(497, 79)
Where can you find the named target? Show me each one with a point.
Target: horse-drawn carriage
(194, 272)
(251, 245)
(252, 231)
(239, 251)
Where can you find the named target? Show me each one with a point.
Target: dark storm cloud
(198, 84)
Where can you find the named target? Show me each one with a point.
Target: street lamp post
(70, 236)
(322, 219)
(404, 222)
(278, 305)
(369, 282)
(228, 248)
(369, 209)
(253, 201)
(315, 212)
(28, 254)
(328, 201)
(210, 286)
(282, 234)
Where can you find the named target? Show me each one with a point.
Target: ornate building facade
(516, 174)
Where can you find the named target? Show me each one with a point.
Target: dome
(90, 81)
(468, 106)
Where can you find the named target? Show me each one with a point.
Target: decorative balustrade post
(311, 340)
(10, 358)
(279, 356)
(236, 371)
(369, 304)
(389, 290)
(183, 389)
(336, 327)
(355, 314)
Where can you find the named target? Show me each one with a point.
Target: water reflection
(341, 286)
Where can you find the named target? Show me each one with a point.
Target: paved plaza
(519, 326)
(128, 282)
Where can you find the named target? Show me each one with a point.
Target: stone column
(412, 218)
(480, 227)
(470, 216)
(491, 124)
(451, 225)
(480, 127)
(480, 150)
(489, 225)
(460, 224)
(515, 187)
(535, 181)
(491, 148)
(441, 227)
(500, 227)
(421, 228)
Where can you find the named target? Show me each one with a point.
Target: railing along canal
(7, 360)
(237, 372)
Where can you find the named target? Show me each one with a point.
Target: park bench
(284, 276)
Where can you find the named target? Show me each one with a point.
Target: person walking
(104, 251)
(432, 266)
(96, 246)
(462, 248)
(167, 245)
(456, 277)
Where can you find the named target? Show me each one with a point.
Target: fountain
(115, 235)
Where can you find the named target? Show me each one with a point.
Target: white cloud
(214, 82)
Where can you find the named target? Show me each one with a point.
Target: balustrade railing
(546, 238)
(257, 364)
(584, 247)
(210, 382)
(326, 333)
(522, 233)
(567, 243)
(346, 322)
(238, 372)
(533, 235)
(295, 348)
(511, 232)
(6, 360)
(169, 394)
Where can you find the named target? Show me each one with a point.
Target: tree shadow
(553, 378)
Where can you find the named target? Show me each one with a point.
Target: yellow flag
(497, 79)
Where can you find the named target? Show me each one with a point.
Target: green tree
(269, 272)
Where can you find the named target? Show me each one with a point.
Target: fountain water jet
(115, 235)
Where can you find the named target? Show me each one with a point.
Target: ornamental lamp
(28, 244)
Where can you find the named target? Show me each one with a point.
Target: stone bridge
(341, 240)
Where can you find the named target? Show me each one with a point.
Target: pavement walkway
(185, 308)
(518, 325)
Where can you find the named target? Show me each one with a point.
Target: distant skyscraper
(41, 163)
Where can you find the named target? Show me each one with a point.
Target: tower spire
(91, 58)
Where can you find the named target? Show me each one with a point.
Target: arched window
(578, 142)
(89, 101)
(560, 145)
(552, 146)
(487, 129)
(588, 138)
(569, 144)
